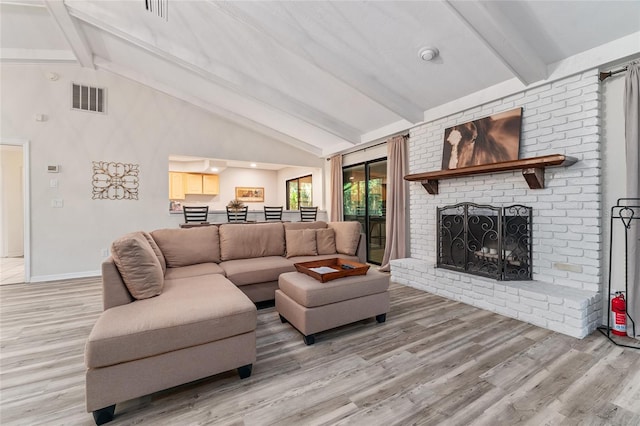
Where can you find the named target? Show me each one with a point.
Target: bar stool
(272, 213)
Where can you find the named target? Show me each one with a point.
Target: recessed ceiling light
(428, 53)
(253, 165)
(214, 169)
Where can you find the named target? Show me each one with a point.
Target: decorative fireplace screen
(493, 242)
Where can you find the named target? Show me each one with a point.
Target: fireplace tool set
(626, 212)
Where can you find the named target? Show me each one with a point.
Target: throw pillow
(157, 251)
(326, 241)
(347, 236)
(301, 242)
(138, 265)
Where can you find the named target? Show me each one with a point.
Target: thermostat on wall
(53, 169)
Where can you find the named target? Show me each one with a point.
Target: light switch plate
(57, 203)
(53, 183)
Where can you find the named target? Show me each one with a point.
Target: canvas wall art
(487, 140)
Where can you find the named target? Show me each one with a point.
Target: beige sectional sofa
(179, 303)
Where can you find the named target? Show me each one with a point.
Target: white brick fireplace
(565, 294)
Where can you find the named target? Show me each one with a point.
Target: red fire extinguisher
(619, 315)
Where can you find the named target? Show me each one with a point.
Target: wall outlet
(104, 252)
(57, 203)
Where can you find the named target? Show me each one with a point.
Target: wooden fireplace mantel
(532, 170)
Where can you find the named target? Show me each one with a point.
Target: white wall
(232, 177)
(142, 126)
(11, 202)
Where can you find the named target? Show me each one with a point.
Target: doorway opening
(365, 201)
(14, 212)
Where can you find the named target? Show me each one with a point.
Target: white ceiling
(326, 76)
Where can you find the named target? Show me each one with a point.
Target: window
(299, 193)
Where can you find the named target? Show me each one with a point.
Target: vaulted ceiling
(325, 76)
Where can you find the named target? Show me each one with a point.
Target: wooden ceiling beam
(71, 32)
(308, 49)
(239, 83)
(502, 37)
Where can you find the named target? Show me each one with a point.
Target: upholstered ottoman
(311, 306)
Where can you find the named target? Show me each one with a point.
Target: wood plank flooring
(433, 362)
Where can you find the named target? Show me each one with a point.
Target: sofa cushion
(193, 271)
(258, 270)
(301, 242)
(157, 251)
(318, 224)
(189, 312)
(245, 241)
(347, 236)
(326, 241)
(188, 246)
(138, 265)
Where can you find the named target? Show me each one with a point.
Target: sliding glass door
(365, 200)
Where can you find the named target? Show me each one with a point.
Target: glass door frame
(367, 223)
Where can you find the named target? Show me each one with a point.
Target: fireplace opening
(483, 240)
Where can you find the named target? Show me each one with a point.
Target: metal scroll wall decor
(115, 181)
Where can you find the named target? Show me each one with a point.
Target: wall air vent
(159, 8)
(86, 98)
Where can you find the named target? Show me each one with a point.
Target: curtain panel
(632, 144)
(396, 227)
(337, 190)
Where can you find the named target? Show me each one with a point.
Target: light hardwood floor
(434, 361)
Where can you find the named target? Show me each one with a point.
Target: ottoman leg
(104, 415)
(283, 319)
(381, 318)
(245, 371)
(310, 339)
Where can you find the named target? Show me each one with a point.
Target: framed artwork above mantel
(250, 194)
(488, 140)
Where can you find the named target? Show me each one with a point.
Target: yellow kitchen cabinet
(176, 186)
(210, 185)
(193, 183)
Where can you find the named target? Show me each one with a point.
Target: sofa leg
(381, 318)
(309, 340)
(104, 415)
(283, 319)
(245, 371)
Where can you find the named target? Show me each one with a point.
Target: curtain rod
(605, 75)
(406, 135)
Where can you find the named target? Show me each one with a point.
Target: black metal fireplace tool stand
(626, 211)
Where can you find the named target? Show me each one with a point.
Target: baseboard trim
(58, 277)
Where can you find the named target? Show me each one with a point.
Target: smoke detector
(428, 53)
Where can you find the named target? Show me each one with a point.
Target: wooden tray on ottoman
(343, 267)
